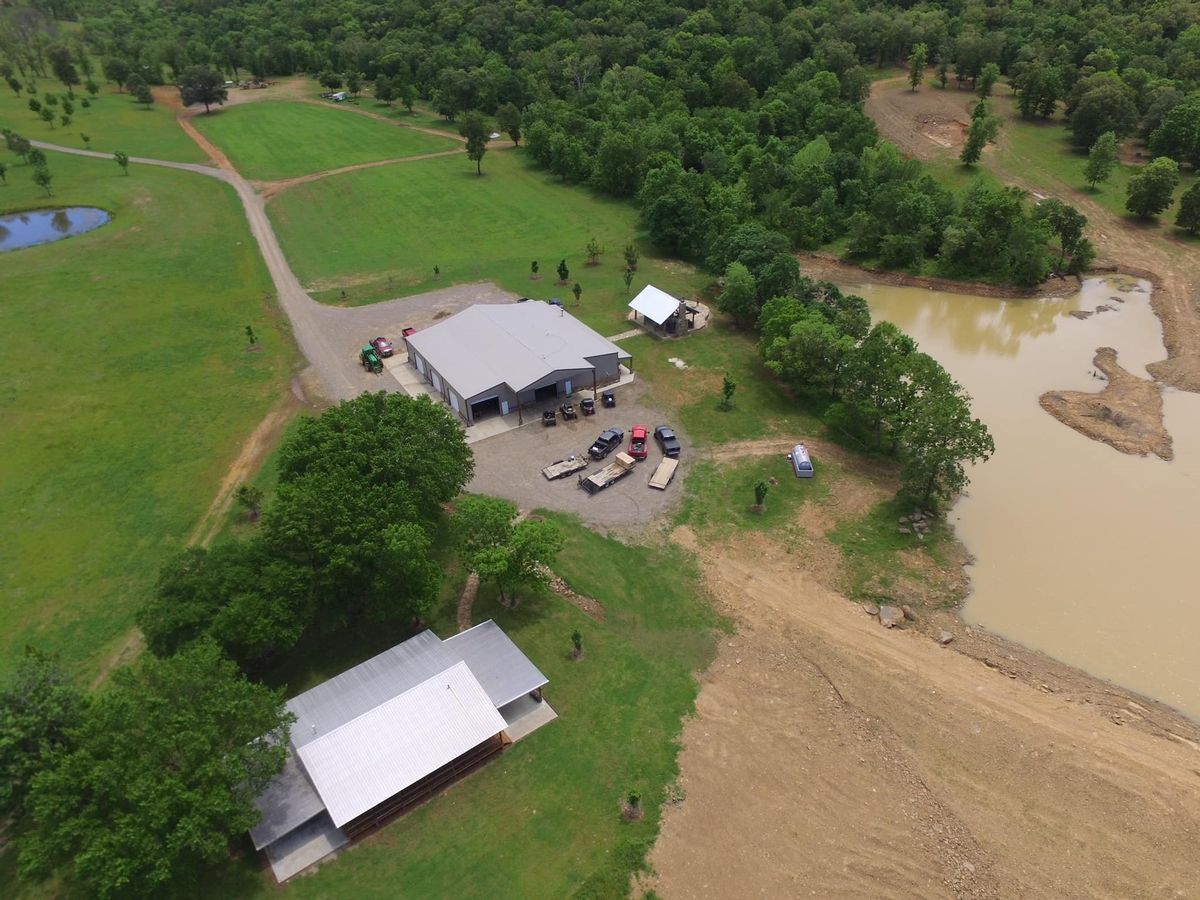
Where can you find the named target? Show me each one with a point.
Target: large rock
(890, 616)
(944, 637)
(870, 609)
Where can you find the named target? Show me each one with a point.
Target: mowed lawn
(544, 819)
(379, 233)
(272, 140)
(113, 122)
(126, 390)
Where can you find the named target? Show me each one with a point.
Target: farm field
(127, 391)
(544, 819)
(271, 140)
(113, 122)
(438, 212)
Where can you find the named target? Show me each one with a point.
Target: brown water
(1082, 552)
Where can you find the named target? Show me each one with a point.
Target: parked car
(667, 442)
(801, 463)
(383, 347)
(610, 439)
(639, 440)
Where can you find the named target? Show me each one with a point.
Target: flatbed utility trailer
(664, 473)
(564, 467)
(621, 466)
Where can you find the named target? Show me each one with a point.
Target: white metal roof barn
(389, 733)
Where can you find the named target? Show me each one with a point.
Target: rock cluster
(917, 522)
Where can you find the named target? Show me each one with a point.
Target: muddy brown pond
(1080, 551)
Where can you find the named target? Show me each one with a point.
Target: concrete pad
(525, 716)
(306, 846)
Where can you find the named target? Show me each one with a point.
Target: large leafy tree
(39, 708)
(1102, 159)
(202, 84)
(1188, 217)
(498, 548)
(475, 130)
(739, 298)
(1102, 102)
(1179, 134)
(161, 774)
(1150, 189)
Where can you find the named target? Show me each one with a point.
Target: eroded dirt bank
(831, 757)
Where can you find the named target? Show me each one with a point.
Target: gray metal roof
(289, 801)
(514, 344)
(504, 671)
(344, 697)
(386, 749)
(655, 305)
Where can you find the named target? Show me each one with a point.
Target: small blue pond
(41, 226)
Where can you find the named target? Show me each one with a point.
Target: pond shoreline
(35, 226)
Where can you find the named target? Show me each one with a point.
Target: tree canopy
(202, 84)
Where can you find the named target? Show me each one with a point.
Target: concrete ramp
(306, 846)
(525, 716)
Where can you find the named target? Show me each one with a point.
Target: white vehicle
(801, 463)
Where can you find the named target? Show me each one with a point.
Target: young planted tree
(47, 116)
(628, 277)
(917, 60)
(631, 256)
(14, 84)
(65, 120)
(760, 494)
(1102, 159)
(508, 116)
(202, 84)
(728, 387)
(35, 105)
(92, 88)
(984, 128)
(1150, 190)
(576, 645)
(578, 292)
(1188, 217)
(141, 92)
(564, 274)
(122, 159)
(533, 270)
(475, 130)
(87, 140)
(594, 251)
(42, 178)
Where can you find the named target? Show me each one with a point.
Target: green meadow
(271, 140)
(127, 389)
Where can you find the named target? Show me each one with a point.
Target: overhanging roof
(381, 752)
(504, 671)
(514, 344)
(289, 801)
(655, 305)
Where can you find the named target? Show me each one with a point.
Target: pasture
(127, 391)
(272, 140)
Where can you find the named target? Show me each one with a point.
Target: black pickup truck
(610, 439)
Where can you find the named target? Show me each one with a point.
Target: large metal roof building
(491, 358)
(388, 733)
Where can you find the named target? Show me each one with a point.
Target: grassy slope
(114, 122)
(114, 446)
(405, 223)
(272, 140)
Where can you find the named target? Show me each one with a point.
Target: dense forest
(711, 115)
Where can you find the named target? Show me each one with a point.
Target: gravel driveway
(510, 466)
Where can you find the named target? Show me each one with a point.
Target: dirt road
(931, 124)
(831, 757)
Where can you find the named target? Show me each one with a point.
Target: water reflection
(1080, 551)
(26, 229)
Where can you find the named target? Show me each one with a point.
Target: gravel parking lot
(510, 465)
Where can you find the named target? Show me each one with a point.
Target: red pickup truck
(638, 436)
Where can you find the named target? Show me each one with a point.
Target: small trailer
(561, 468)
(663, 474)
(621, 466)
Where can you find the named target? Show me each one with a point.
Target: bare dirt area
(831, 757)
(1123, 245)
(1127, 414)
(510, 465)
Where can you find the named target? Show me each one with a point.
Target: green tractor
(370, 359)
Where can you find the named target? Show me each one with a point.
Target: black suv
(667, 441)
(609, 440)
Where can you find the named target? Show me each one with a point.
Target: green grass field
(126, 389)
(114, 122)
(411, 217)
(271, 140)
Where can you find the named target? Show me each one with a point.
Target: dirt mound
(1126, 415)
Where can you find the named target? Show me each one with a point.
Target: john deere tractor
(370, 359)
